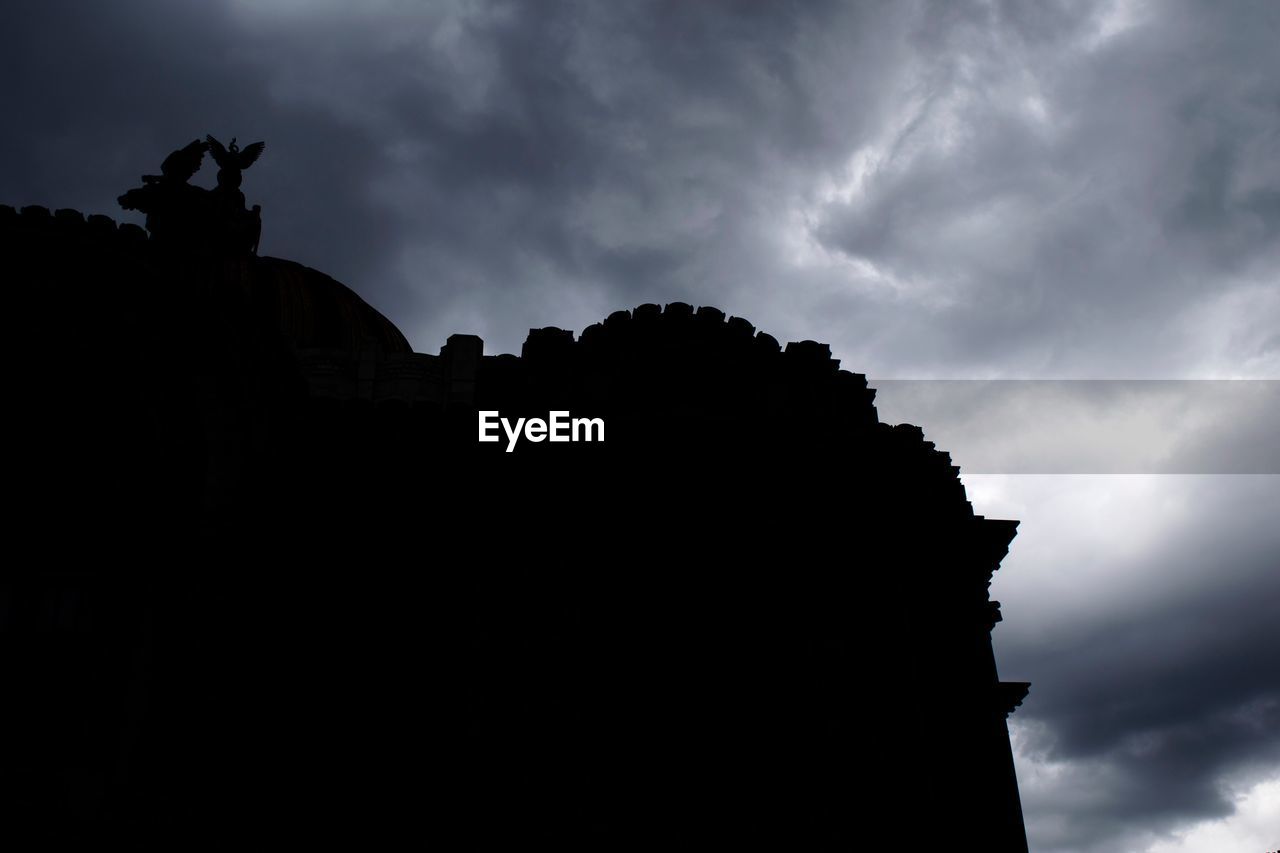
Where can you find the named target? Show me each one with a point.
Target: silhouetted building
(280, 593)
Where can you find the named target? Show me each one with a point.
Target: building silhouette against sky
(280, 591)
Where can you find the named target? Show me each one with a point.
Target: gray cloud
(1142, 609)
(103, 94)
(1077, 201)
(938, 189)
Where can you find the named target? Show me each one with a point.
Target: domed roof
(317, 312)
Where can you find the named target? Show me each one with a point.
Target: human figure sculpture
(174, 208)
(243, 227)
(185, 217)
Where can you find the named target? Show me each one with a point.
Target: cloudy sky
(952, 190)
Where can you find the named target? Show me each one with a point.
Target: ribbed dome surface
(318, 312)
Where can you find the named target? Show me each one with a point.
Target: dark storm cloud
(551, 162)
(1144, 611)
(932, 187)
(938, 189)
(1080, 201)
(98, 94)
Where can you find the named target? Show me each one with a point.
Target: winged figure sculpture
(179, 166)
(232, 160)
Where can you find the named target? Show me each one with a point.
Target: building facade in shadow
(279, 591)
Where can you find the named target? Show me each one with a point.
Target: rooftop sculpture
(185, 217)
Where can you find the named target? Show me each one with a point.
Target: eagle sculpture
(232, 161)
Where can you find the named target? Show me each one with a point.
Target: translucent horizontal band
(1087, 426)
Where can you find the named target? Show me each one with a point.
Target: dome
(317, 312)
